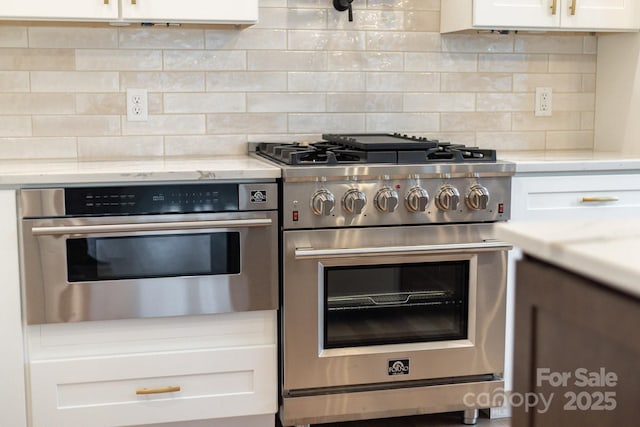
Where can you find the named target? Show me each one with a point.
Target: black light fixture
(343, 5)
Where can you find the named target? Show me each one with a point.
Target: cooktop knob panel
(322, 202)
(448, 198)
(354, 201)
(386, 200)
(478, 197)
(417, 199)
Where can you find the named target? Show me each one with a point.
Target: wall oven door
(373, 306)
(115, 267)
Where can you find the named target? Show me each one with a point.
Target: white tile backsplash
(494, 121)
(248, 123)
(118, 59)
(37, 103)
(76, 125)
(476, 82)
(204, 60)
(561, 120)
(102, 148)
(14, 81)
(13, 36)
(72, 37)
(505, 101)
(11, 126)
(233, 102)
(74, 81)
(303, 70)
(16, 59)
(161, 81)
(159, 38)
(440, 102)
(37, 148)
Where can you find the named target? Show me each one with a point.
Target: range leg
(470, 416)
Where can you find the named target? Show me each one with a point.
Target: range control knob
(386, 200)
(417, 199)
(322, 202)
(354, 201)
(478, 197)
(448, 198)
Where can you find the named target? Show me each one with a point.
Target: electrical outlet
(544, 101)
(137, 105)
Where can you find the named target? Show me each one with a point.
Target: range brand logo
(398, 367)
(258, 196)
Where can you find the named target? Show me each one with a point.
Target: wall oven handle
(309, 253)
(150, 226)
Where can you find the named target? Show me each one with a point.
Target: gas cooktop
(337, 149)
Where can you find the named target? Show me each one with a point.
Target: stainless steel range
(393, 286)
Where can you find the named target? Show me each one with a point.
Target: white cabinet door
(553, 15)
(601, 14)
(575, 197)
(12, 393)
(162, 387)
(195, 11)
(212, 367)
(156, 11)
(516, 13)
(67, 10)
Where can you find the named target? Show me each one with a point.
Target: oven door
(103, 268)
(379, 305)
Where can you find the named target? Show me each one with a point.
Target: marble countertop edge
(34, 172)
(570, 161)
(598, 250)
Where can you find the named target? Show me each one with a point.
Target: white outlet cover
(137, 105)
(544, 102)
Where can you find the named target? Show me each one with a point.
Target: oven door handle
(491, 245)
(149, 226)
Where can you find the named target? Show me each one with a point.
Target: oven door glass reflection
(394, 304)
(143, 257)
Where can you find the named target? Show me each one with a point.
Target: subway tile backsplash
(303, 70)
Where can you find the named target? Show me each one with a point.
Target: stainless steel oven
(410, 316)
(393, 286)
(115, 252)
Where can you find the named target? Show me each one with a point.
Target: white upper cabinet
(196, 11)
(547, 15)
(131, 11)
(63, 10)
(601, 14)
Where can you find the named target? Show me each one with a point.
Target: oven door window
(394, 304)
(140, 257)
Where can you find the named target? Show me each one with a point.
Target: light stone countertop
(62, 171)
(580, 161)
(606, 251)
(46, 172)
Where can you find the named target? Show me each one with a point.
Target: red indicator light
(398, 186)
(295, 216)
(500, 207)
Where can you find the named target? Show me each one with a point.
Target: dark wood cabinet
(577, 345)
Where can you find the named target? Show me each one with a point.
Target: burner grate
(373, 148)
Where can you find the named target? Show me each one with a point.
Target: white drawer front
(101, 391)
(574, 197)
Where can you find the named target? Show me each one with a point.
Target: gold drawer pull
(160, 390)
(554, 7)
(106, 1)
(134, 2)
(599, 199)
